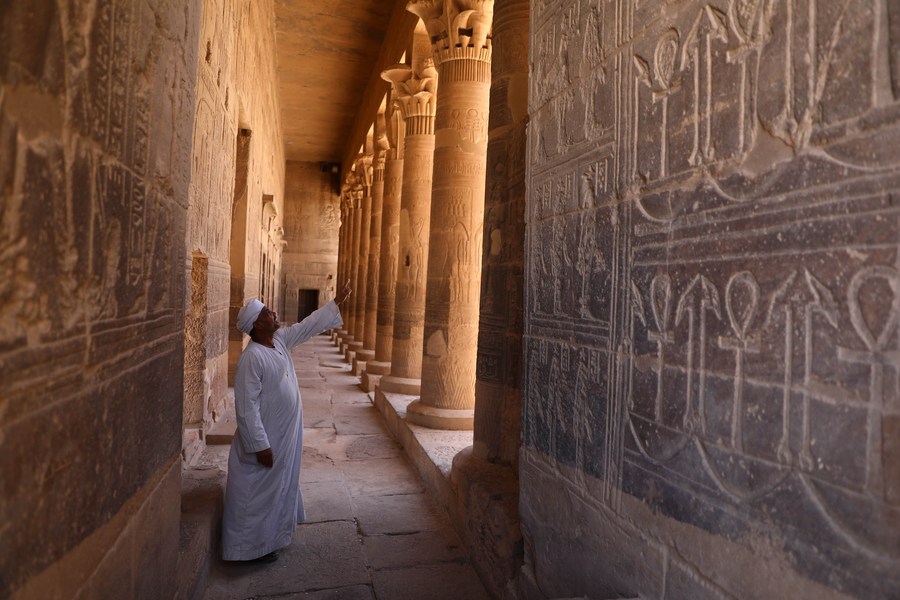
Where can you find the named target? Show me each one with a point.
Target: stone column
(415, 93)
(497, 391)
(367, 352)
(364, 173)
(390, 244)
(345, 265)
(353, 260)
(486, 474)
(460, 34)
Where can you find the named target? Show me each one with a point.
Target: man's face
(267, 321)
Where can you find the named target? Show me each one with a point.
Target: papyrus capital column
(367, 352)
(363, 169)
(460, 31)
(355, 195)
(346, 262)
(414, 95)
(390, 243)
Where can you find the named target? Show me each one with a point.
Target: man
(263, 502)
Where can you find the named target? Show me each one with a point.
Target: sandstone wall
(312, 216)
(96, 115)
(235, 91)
(712, 403)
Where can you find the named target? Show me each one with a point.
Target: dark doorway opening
(307, 302)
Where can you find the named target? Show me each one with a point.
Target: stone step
(221, 433)
(202, 496)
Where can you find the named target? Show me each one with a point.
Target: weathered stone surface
(414, 549)
(712, 284)
(442, 582)
(409, 513)
(326, 501)
(354, 592)
(379, 477)
(322, 555)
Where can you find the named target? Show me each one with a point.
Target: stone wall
(711, 401)
(234, 94)
(312, 217)
(96, 115)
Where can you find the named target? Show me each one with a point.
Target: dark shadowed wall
(96, 118)
(711, 403)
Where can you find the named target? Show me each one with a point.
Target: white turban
(248, 314)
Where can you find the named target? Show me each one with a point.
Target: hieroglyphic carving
(877, 357)
(754, 329)
(751, 336)
(697, 57)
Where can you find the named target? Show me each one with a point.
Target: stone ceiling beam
(396, 41)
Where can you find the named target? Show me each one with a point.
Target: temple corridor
(373, 530)
(625, 310)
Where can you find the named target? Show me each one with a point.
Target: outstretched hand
(344, 294)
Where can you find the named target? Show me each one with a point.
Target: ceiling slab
(328, 51)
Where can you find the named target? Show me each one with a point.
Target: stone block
(429, 582)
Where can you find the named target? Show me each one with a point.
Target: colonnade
(413, 227)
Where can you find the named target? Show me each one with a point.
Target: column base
(378, 367)
(368, 381)
(488, 493)
(361, 359)
(350, 351)
(401, 385)
(455, 419)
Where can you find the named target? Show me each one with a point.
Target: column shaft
(387, 277)
(374, 255)
(413, 90)
(415, 219)
(457, 218)
(497, 389)
(362, 259)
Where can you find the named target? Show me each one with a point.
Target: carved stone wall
(96, 120)
(236, 62)
(312, 216)
(713, 299)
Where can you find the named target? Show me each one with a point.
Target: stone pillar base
(365, 355)
(368, 380)
(401, 385)
(486, 514)
(377, 367)
(357, 366)
(350, 351)
(422, 414)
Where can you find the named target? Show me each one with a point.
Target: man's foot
(266, 558)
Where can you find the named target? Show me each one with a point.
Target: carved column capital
(414, 94)
(363, 170)
(459, 29)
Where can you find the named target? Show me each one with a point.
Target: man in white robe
(263, 502)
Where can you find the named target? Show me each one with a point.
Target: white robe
(263, 506)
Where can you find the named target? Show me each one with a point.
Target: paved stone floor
(372, 531)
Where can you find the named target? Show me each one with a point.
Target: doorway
(307, 302)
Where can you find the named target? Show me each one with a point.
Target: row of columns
(413, 225)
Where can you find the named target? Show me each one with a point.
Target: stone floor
(372, 531)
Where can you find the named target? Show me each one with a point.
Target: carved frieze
(711, 209)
